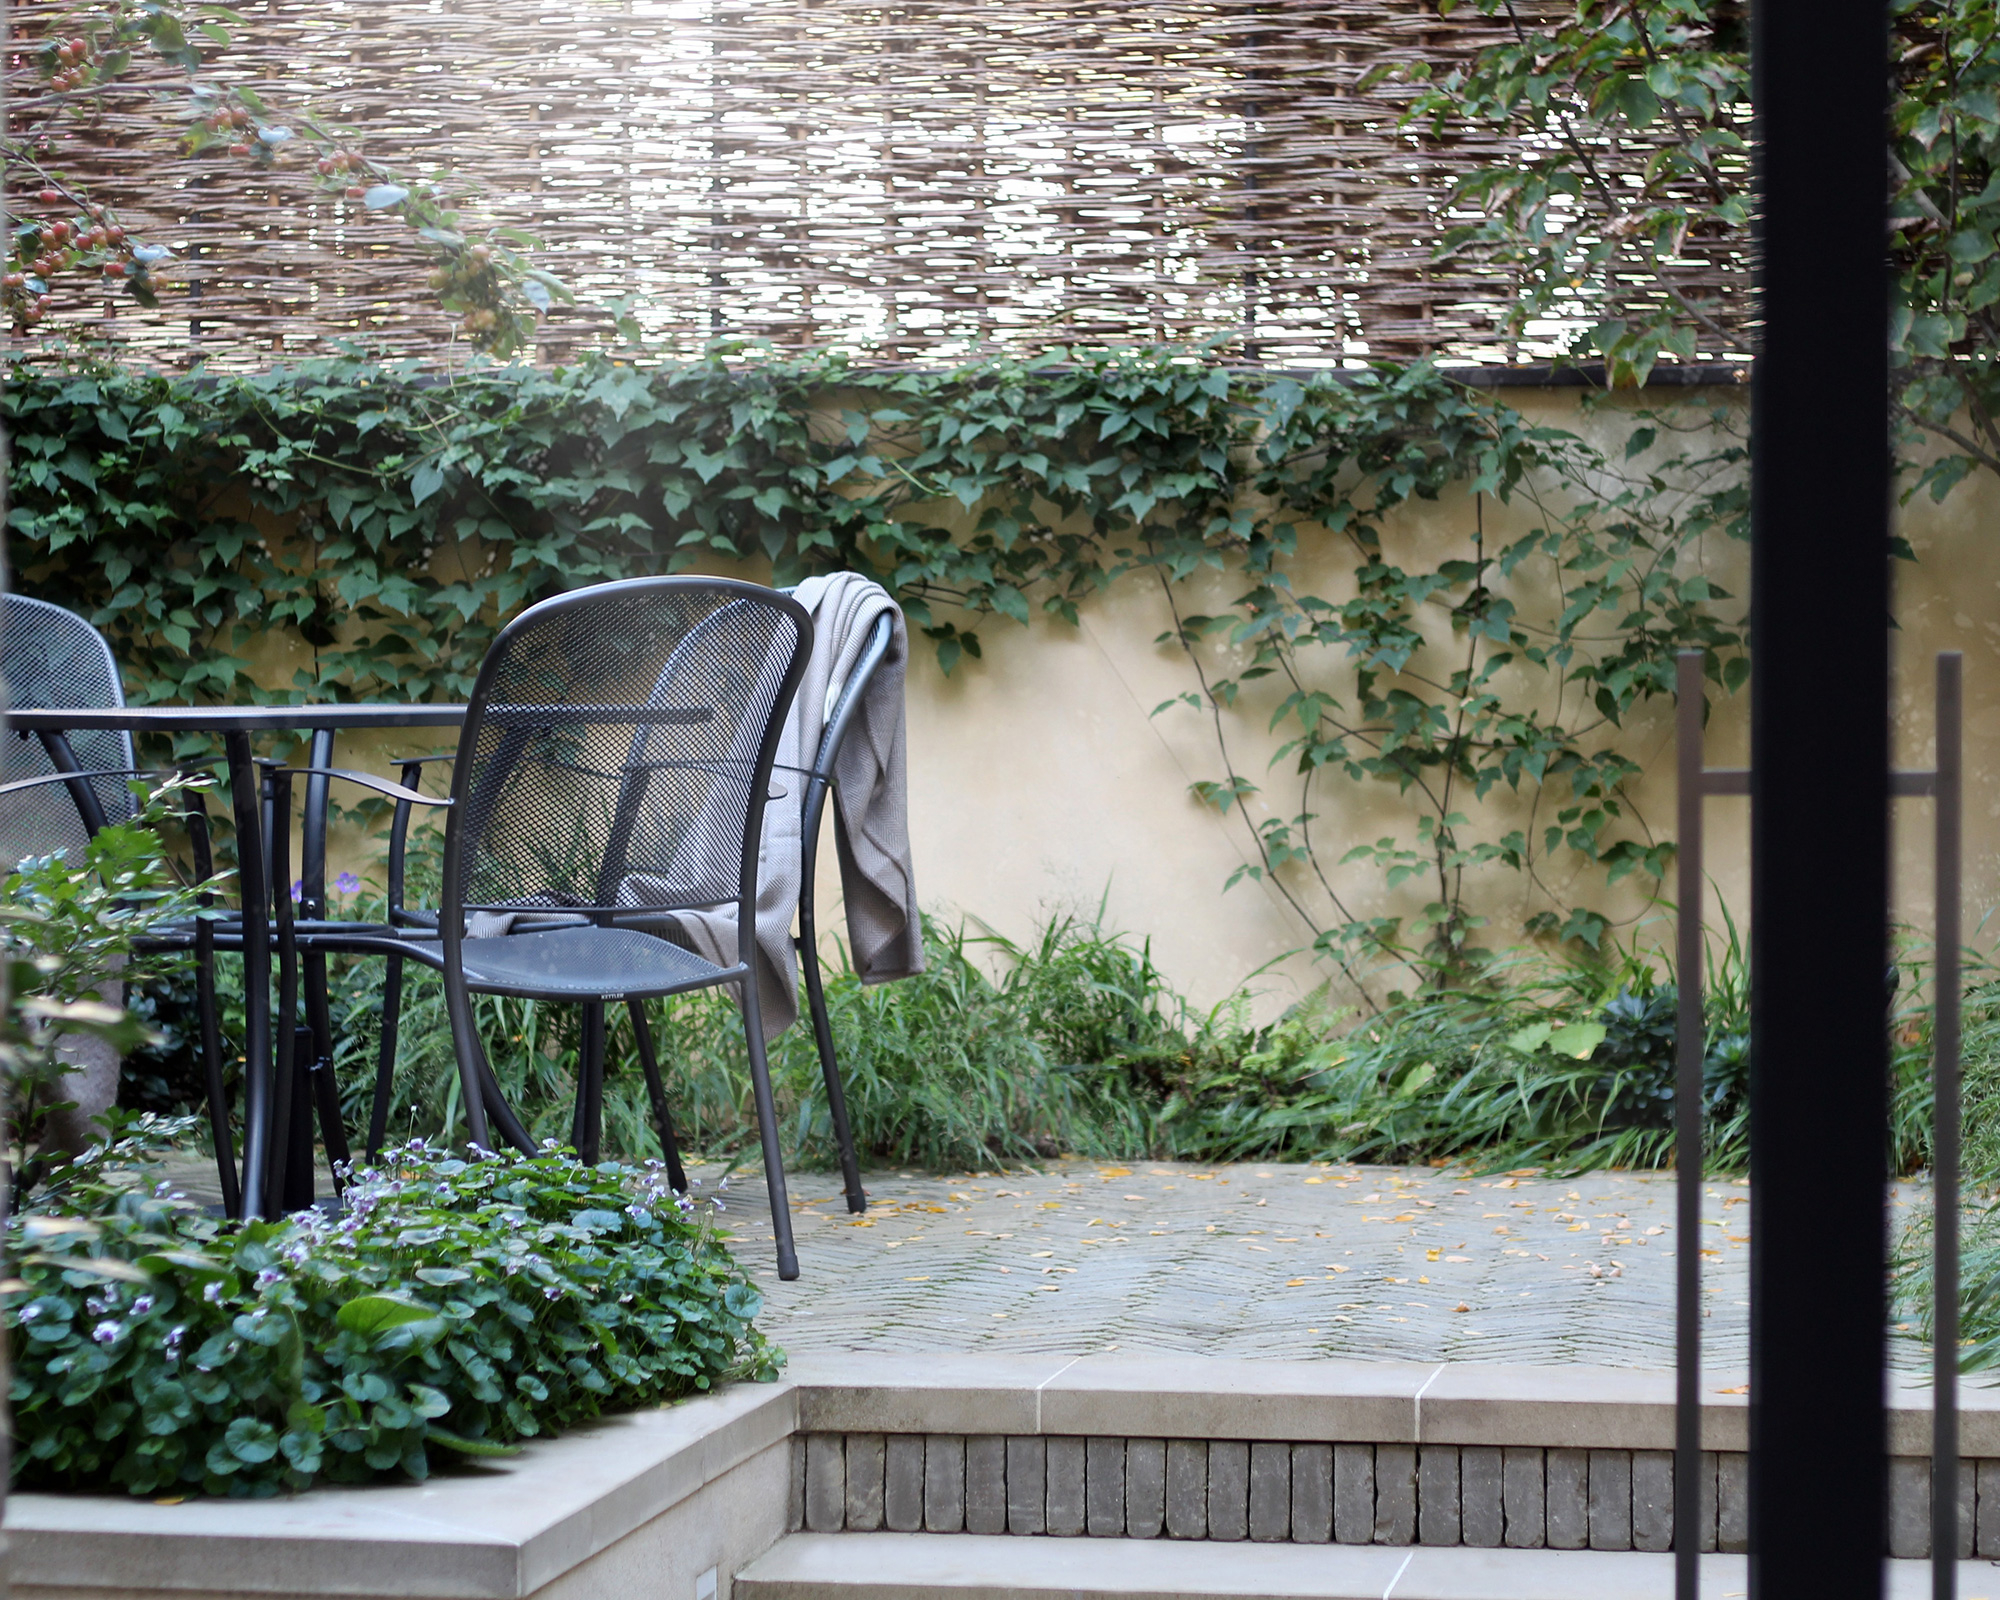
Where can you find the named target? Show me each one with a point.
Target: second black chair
(617, 733)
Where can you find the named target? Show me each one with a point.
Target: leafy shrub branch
(161, 54)
(385, 521)
(1628, 216)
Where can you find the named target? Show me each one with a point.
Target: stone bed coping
(507, 1529)
(1372, 1402)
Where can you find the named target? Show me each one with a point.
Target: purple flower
(108, 1332)
(298, 891)
(346, 883)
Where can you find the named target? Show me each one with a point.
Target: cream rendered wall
(1041, 779)
(1041, 782)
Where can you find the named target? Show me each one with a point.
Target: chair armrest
(85, 777)
(395, 791)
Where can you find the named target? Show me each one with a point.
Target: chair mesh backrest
(50, 657)
(648, 776)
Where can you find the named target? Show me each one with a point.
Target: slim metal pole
(1945, 1134)
(1690, 1049)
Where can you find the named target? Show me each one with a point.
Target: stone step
(920, 1566)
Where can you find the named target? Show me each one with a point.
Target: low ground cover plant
(455, 1307)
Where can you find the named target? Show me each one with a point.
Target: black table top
(236, 719)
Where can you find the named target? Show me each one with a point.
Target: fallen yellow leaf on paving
(1314, 1180)
(1431, 1255)
(1258, 1247)
(1741, 1388)
(1293, 1283)
(927, 1279)
(1039, 1254)
(1458, 1258)
(1461, 1306)
(1114, 1172)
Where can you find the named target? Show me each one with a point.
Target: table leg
(246, 800)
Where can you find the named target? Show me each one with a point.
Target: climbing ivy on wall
(386, 519)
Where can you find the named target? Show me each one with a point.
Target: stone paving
(1272, 1260)
(1275, 1260)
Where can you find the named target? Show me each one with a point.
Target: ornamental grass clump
(456, 1307)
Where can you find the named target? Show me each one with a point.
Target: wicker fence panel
(910, 179)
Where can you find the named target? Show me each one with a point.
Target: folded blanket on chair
(885, 933)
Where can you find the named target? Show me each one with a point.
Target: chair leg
(279, 1185)
(211, 1069)
(642, 1034)
(295, 1132)
(325, 1091)
(474, 1074)
(512, 1129)
(829, 1065)
(767, 1128)
(385, 1057)
(588, 1127)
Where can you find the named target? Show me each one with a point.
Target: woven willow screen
(910, 179)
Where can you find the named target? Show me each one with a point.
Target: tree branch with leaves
(61, 233)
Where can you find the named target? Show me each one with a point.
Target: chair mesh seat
(578, 964)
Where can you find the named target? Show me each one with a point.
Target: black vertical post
(1691, 1049)
(1819, 827)
(1949, 802)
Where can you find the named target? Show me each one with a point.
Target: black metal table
(237, 725)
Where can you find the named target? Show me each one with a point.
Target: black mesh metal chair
(820, 783)
(58, 795)
(617, 735)
(53, 658)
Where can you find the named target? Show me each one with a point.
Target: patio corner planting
(454, 1308)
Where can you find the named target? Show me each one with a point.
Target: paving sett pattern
(1276, 1260)
(1279, 1261)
